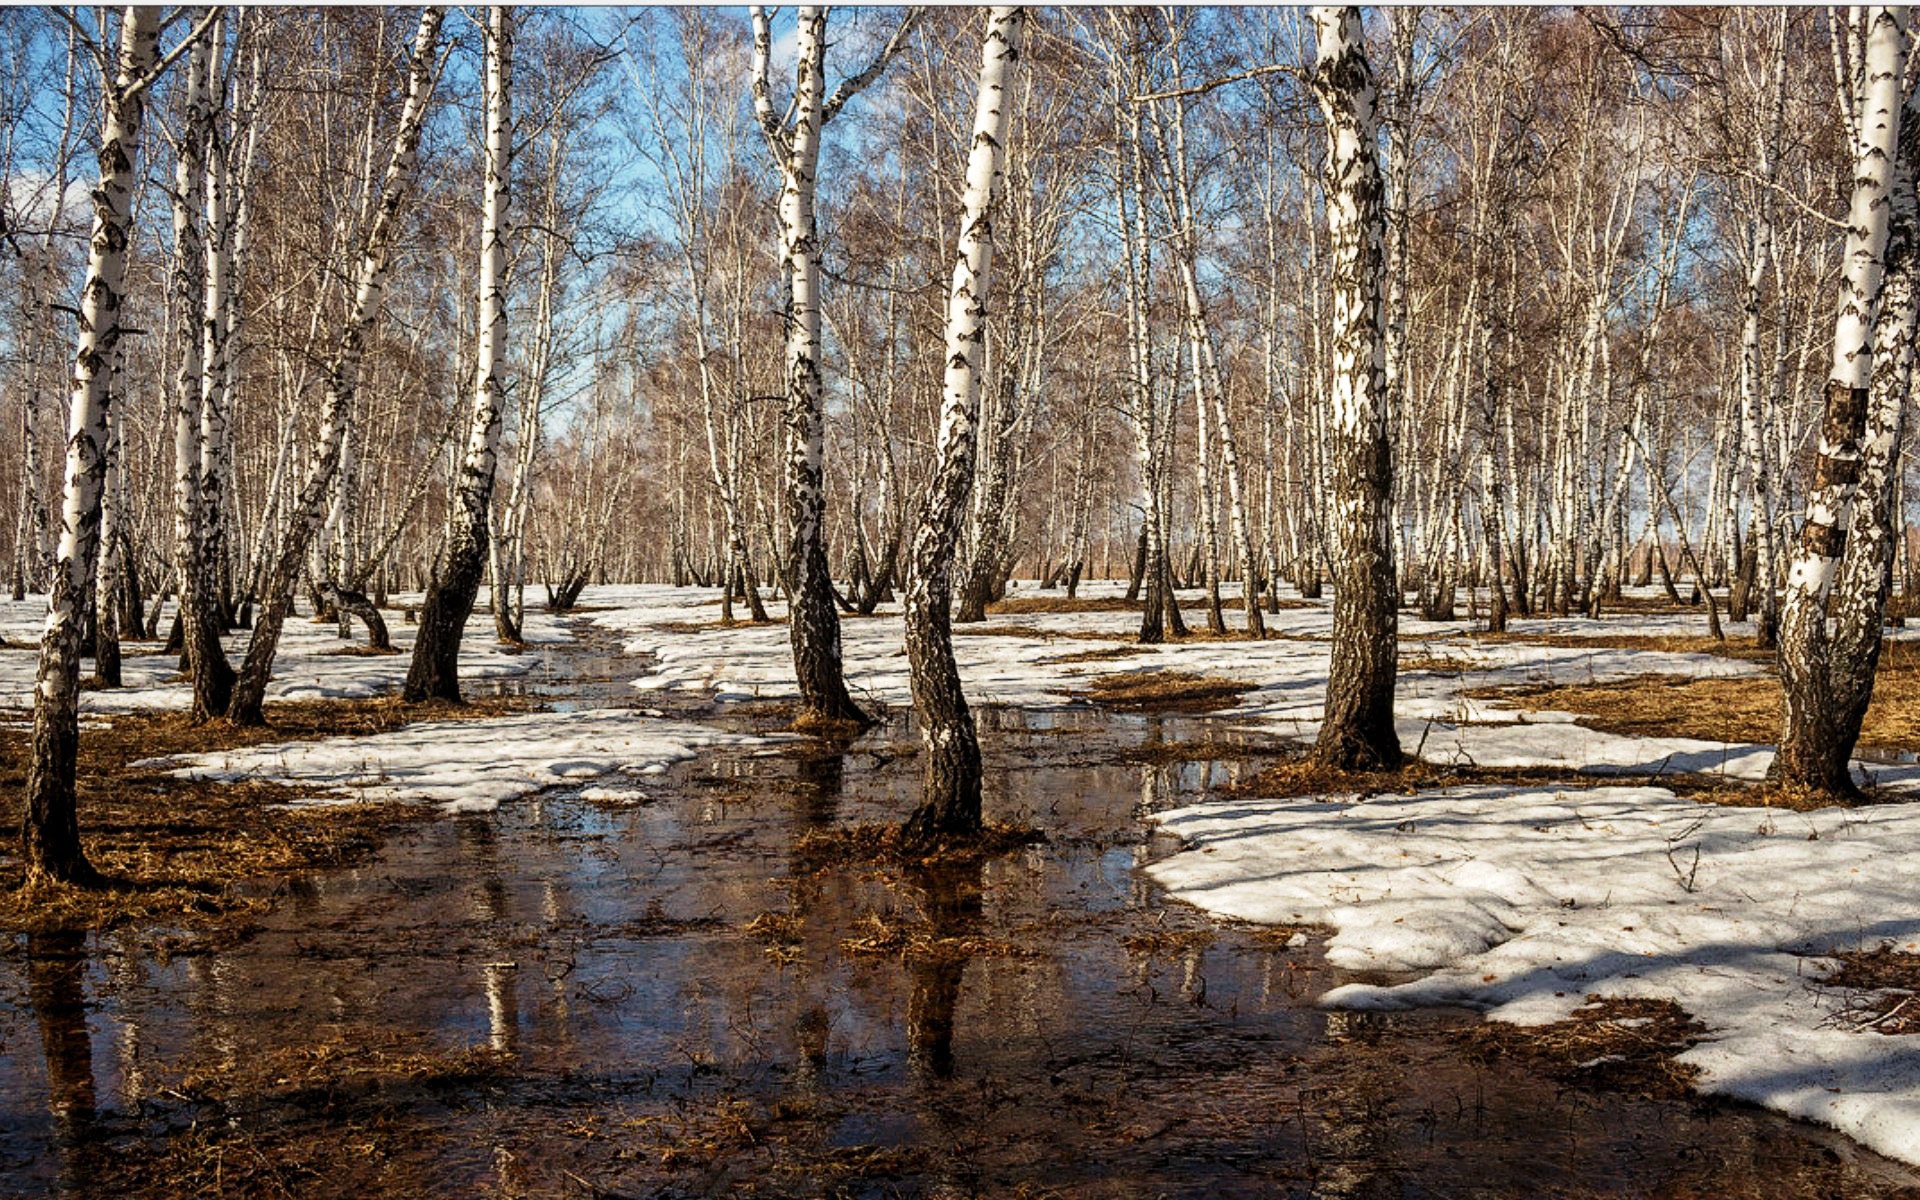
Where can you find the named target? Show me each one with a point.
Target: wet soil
(665, 998)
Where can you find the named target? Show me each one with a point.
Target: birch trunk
(50, 849)
(1866, 569)
(1357, 731)
(194, 200)
(813, 622)
(1815, 744)
(434, 673)
(950, 798)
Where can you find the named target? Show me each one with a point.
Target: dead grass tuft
(881, 845)
(707, 626)
(1740, 647)
(1168, 754)
(782, 932)
(1033, 633)
(1019, 605)
(1104, 654)
(1155, 690)
(917, 940)
(1882, 989)
(369, 1059)
(1159, 943)
(1618, 1044)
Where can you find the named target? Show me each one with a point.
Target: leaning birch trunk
(343, 378)
(1357, 731)
(434, 673)
(950, 798)
(1815, 747)
(1866, 569)
(50, 847)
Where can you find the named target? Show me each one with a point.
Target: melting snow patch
(471, 766)
(1523, 902)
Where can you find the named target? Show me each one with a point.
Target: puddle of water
(1076, 1036)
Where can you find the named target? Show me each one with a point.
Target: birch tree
(813, 622)
(1816, 742)
(434, 673)
(50, 829)
(1357, 731)
(950, 787)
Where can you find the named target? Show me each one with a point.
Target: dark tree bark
(1357, 731)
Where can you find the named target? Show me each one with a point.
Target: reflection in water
(501, 984)
(492, 905)
(659, 1049)
(822, 774)
(950, 895)
(56, 987)
(56, 990)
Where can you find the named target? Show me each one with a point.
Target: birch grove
(1494, 316)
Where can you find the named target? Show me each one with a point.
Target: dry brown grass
(1439, 663)
(691, 627)
(176, 850)
(1018, 605)
(880, 845)
(917, 939)
(1882, 989)
(1162, 943)
(1167, 754)
(1104, 654)
(366, 1057)
(1156, 690)
(1300, 776)
(782, 932)
(1741, 647)
(1617, 1044)
(1033, 633)
(361, 651)
(1742, 709)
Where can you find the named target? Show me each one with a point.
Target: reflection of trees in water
(1352, 1143)
(57, 993)
(491, 905)
(128, 967)
(820, 773)
(950, 896)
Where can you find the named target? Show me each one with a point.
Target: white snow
(472, 766)
(1524, 902)
(1287, 674)
(307, 666)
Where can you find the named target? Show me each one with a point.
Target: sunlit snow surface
(308, 665)
(474, 766)
(1523, 902)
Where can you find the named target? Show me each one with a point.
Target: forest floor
(611, 932)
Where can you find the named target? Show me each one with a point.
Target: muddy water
(561, 999)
